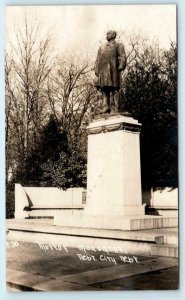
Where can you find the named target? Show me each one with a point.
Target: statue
(110, 62)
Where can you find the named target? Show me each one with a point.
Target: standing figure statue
(111, 60)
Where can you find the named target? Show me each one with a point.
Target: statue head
(111, 35)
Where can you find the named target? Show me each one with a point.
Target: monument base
(114, 222)
(113, 169)
(111, 209)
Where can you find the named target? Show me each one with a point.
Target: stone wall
(45, 201)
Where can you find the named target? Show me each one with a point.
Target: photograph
(91, 147)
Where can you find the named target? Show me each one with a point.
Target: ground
(31, 266)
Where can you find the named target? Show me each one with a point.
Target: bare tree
(28, 64)
(71, 93)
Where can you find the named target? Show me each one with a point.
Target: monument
(113, 172)
(114, 197)
(113, 142)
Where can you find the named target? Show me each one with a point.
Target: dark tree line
(150, 94)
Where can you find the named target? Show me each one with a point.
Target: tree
(27, 66)
(151, 96)
(51, 143)
(71, 94)
(68, 171)
(55, 161)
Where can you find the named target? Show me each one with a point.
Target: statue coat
(111, 60)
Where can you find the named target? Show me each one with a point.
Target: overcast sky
(83, 27)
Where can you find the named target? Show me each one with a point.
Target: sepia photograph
(91, 148)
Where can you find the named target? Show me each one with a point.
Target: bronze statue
(111, 60)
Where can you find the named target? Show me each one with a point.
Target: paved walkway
(45, 267)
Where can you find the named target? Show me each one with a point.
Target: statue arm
(121, 57)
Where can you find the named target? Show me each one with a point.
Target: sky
(82, 28)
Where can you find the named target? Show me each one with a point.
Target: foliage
(54, 162)
(68, 171)
(52, 141)
(10, 202)
(151, 96)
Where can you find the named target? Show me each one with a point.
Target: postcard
(91, 148)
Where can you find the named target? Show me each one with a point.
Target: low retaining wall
(161, 202)
(44, 202)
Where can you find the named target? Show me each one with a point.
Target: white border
(179, 294)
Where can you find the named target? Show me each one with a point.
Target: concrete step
(135, 242)
(168, 250)
(139, 222)
(23, 281)
(171, 239)
(48, 227)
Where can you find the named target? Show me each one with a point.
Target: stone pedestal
(113, 174)
(113, 178)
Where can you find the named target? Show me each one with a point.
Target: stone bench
(35, 202)
(164, 203)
